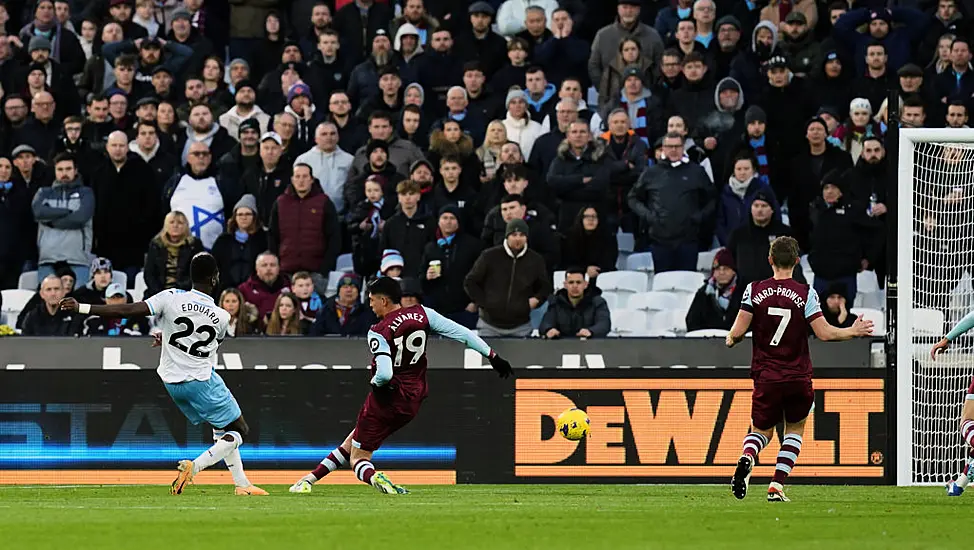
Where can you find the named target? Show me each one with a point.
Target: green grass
(472, 516)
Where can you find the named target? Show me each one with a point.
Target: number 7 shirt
(782, 310)
(193, 327)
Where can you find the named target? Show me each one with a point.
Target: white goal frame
(902, 338)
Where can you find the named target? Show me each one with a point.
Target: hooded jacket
(216, 138)
(230, 121)
(64, 214)
(545, 105)
(502, 283)
(331, 170)
(591, 312)
(720, 121)
(746, 67)
(402, 155)
(162, 163)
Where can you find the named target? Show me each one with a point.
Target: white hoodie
(523, 131)
(510, 18)
(331, 171)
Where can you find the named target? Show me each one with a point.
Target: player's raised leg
(335, 460)
(754, 442)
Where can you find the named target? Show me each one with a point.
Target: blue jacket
(326, 321)
(899, 42)
(733, 211)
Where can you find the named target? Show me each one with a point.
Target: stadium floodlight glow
(935, 202)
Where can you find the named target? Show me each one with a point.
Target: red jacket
(305, 232)
(257, 292)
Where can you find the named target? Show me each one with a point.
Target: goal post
(934, 249)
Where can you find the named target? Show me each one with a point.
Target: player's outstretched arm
(827, 333)
(455, 331)
(962, 326)
(138, 309)
(741, 325)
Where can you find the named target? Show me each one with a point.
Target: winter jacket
(654, 125)
(357, 40)
(365, 246)
(605, 47)
(621, 176)
(402, 155)
(38, 322)
(591, 313)
(804, 54)
(747, 69)
(841, 237)
(217, 139)
(267, 187)
(155, 265)
(354, 189)
(331, 170)
(523, 131)
(324, 77)
(230, 121)
(64, 214)
(359, 321)
(581, 248)
(544, 105)
(66, 49)
(543, 236)
(705, 311)
(17, 229)
(446, 292)
(236, 260)
(501, 284)
(788, 109)
(566, 178)
(673, 202)
(42, 136)
(749, 246)
(262, 295)
(305, 232)
(899, 42)
(162, 163)
(491, 51)
(805, 185)
(128, 206)
(363, 82)
(409, 236)
(693, 101)
(612, 82)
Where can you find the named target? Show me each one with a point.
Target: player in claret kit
(779, 311)
(398, 345)
(956, 487)
(193, 327)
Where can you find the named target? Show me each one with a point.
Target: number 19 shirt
(192, 329)
(782, 310)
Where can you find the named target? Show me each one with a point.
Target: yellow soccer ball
(573, 424)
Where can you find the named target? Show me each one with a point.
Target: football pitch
(481, 516)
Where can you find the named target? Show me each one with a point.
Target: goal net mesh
(943, 245)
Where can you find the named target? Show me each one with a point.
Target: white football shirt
(192, 328)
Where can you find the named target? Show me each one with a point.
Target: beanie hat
(376, 144)
(828, 110)
(724, 258)
(248, 124)
(411, 287)
(515, 94)
(763, 196)
(38, 43)
(755, 113)
(837, 288)
(245, 83)
(390, 258)
(421, 162)
(350, 279)
(37, 67)
(64, 268)
(728, 84)
(632, 70)
(882, 15)
(728, 20)
(516, 226)
(100, 264)
(450, 209)
(860, 104)
(298, 90)
(246, 201)
(817, 120)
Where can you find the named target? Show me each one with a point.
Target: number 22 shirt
(192, 328)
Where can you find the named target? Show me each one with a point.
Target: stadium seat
(806, 266)
(333, 278)
(28, 280)
(628, 322)
(671, 321)
(867, 282)
(928, 322)
(558, 280)
(641, 261)
(615, 301)
(868, 294)
(679, 281)
(707, 333)
(14, 301)
(138, 291)
(626, 241)
(660, 334)
(705, 261)
(654, 300)
(876, 316)
(344, 263)
(121, 278)
(623, 281)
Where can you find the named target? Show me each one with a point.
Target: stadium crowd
(453, 144)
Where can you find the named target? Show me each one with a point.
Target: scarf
(739, 188)
(640, 124)
(721, 295)
(443, 241)
(342, 312)
(761, 152)
(241, 236)
(374, 217)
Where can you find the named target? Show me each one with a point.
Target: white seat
(614, 301)
(558, 280)
(705, 261)
(628, 322)
(121, 278)
(666, 321)
(641, 261)
(871, 300)
(876, 316)
(623, 281)
(138, 291)
(806, 265)
(867, 282)
(928, 322)
(678, 281)
(14, 301)
(333, 279)
(654, 300)
(626, 241)
(344, 263)
(660, 333)
(707, 333)
(28, 280)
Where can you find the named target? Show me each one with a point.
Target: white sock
(219, 451)
(235, 465)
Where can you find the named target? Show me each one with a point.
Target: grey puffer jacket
(64, 215)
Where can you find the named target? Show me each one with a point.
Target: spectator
(366, 221)
(329, 164)
(866, 183)
(412, 125)
(72, 141)
(360, 22)
(913, 114)
(441, 70)
(627, 25)
(309, 301)
(627, 156)
(183, 32)
(788, 103)
(799, 45)
(392, 263)
(414, 13)
(480, 43)
(236, 250)
(344, 314)
(363, 83)
(169, 255)
(390, 98)
(447, 261)
(63, 213)
(512, 15)
(16, 225)
(831, 81)
(836, 311)
(541, 95)
(243, 316)
(245, 107)
(265, 285)
(28, 170)
(41, 129)
(452, 190)
(670, 16)
(563, 54)
(521, 129)
(407, 230)
(271, 178)
(590, 245)
(304, 231)
(629, 61)
(47, 319)
(541, 222)
(200, 189)
(285, 125)
(506, 283)
(127, 205)
(411, 53)
(696, 97)
(412, 292)
(728, 45)
(673, 199)
(735, 197)
(777, 12)
(579, 174)
(489, 152)
(401, 153)
(459, 111)
(328, 68)
(956, 115)
(245, 155)
(202, 129)
(149, 54)
(876, 80)
(285, 318)
(268, 54)
(515, 71)
(379, 166)
(748, 67)
(545, 150)
(841, 242)
(571, 90)
(93, 292)
(300, 105)
(749, 242)
(851, 134)
(808, 170)
(450, 141)
(642, 107)
(714, 305)
(574, 312)
(62, 43)
(115, 294)
(898, 42)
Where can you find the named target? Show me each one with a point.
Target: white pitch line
(81, 507)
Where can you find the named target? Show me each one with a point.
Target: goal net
(935, 257)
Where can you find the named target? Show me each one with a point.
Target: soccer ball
(573, 424)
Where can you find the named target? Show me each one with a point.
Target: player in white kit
(193, 327)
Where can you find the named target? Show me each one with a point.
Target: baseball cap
(796, 17)
(273, 136)
(22, 149)
(181, 13)
(114, 289)
(481, 7)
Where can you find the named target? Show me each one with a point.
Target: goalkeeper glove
(501, 365)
